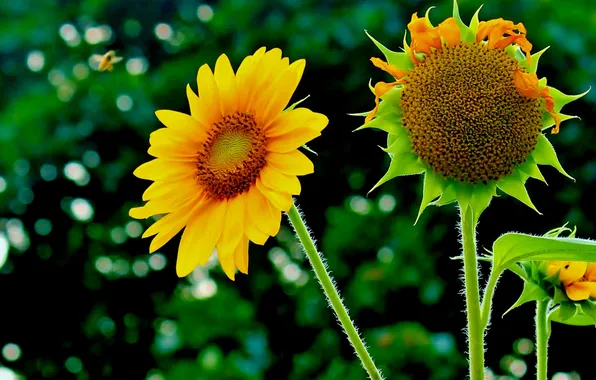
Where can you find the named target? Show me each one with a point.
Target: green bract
(438, 189)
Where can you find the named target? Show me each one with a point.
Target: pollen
(464, 115)
(232, 156)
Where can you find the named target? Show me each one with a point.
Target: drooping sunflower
(578, 278)
(467, 109)
(225, 172)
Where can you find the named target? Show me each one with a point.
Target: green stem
(487, 297)
(332, 293)
(542, 334)
(475, 329)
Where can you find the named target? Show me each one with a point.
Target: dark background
(80, 296)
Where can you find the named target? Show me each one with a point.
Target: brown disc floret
(464, 115)
(232, 156)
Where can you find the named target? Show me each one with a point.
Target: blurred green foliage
(82, 299)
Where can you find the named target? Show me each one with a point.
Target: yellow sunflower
(467, 109)
(225, 172)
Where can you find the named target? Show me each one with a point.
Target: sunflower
(225, 172)
(578, 278)
(467, 109)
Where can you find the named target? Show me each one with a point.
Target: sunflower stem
(542, 335)
(472, 291)
(487, 296)
(331, 292)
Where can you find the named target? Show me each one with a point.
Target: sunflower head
(225, 172)
(466, 109)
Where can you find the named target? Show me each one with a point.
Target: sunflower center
(464, 115)
(232, 156)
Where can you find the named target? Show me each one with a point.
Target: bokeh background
(80, 298)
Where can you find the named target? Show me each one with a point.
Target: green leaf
(533, 66)
(305, 147)
(545, 154)
(513, 185)
(559, 295)
(514, 247)
(567, 310)
(466, 34)
(588, 308)
(432, 188)
(401, 144)
(531, 292)
(449, 196)
(296, 104)
(474, 22)
(531, 169)
(515, 268)
(401, 165)
(398, 59)
(389, 123)
(579, 319)
(562, 99)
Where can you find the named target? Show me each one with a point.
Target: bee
(105, 62)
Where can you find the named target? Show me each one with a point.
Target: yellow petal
(168, 226)
(265, 72)
(574, 271)
(198, 109)
(170, 201)
(555, 266)
(296, 119)
(279, 182)
(291, 140)
(253, 232)
(578, 291)
(163, 188)
(200, 236)
(168, 144)
(293, 162)
(227, 264)
(209, 93)
(591, 272)
(182, 123)
(261, 213)
(233, 229)
(162, 169)
(284, 86)
(241, 256)
(282, 201)
(226, 83)
(245, 77)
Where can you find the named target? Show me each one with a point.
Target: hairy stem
(487, 297)
(542, 334)
(475, 327)
(332, 293)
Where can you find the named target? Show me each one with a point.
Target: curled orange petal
(502, 33)
(550, 108)
(527, 85)
(591, 272)
(449, 30)
(381, 89)
(424, 36)
(579, 291)
(392, 70)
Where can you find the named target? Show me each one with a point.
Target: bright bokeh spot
(16, 234)
(523, 346)
(43, 226)
(163, 31)
(80, 71)
(70, 35)
(91, 159)
(385, 255)
(387, 203)
(134, 229)
(2, 185)
(98, 34)
(11, 352)
(204, 288)
(4, 248)
(140, 268)
(21, 167)
(204, 12)
(73, 364)
(36, 61)
(56, 77)
(124, 103)
(103, 264)
(137, 65)
(291, 272)
(360, 205)
(7, 374)
(76, 172)
(81, 209)
(157, 261)
(518, 368)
